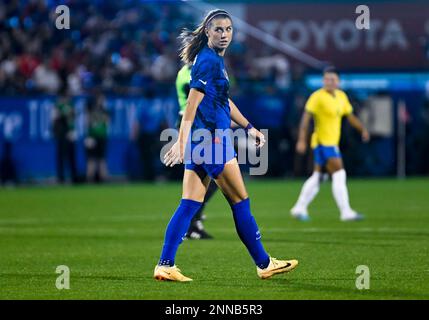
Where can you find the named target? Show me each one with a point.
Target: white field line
(327, 230)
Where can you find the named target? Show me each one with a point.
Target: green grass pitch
(110, 237)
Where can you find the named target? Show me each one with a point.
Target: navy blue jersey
(209, 76)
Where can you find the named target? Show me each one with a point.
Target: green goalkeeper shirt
(182, 86)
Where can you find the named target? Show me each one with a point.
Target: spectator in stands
(119, 46)
(46, 78)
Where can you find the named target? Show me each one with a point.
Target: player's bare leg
(194, 185)
(335, 168)
(334, 164)
(230, 181)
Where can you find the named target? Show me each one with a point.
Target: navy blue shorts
(209, 159)
(323, 153)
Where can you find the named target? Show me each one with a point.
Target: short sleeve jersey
(327, 110)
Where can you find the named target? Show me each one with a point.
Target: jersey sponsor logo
(203, 82)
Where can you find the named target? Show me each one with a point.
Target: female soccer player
(208, 107)
(327, 106)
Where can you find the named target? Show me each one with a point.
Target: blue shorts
(209, 164)
(323, 153)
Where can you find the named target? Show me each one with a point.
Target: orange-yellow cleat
(275, 267)
(167, 273)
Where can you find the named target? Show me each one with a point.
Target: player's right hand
(301, 147)
(174, 155)
(365, 136)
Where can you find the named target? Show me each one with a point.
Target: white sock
(308, 192)
(341, 195)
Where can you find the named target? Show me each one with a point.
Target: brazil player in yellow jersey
(327, 106)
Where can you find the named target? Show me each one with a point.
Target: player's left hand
(258, 136)
(365, 136)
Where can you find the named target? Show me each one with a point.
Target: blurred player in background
(196, 229)
(209, 107)
(65, 135)
(327, 106)
(96, 139)
(148, 123)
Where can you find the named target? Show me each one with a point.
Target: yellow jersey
(327, 110)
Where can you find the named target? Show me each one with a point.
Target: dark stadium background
(127, 50)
